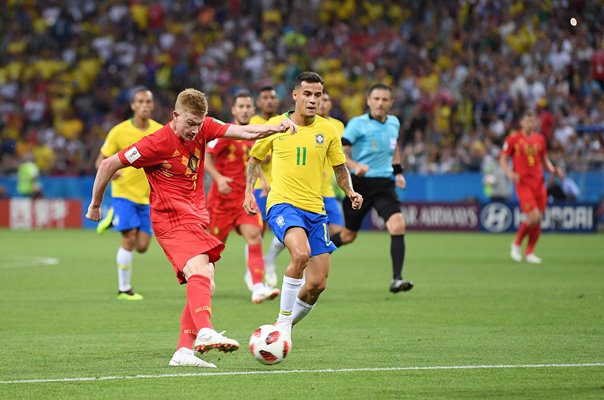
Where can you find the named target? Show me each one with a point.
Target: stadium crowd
(462, 71)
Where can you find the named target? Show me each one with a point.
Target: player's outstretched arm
(343, 178)
(107, 169)
(255, 131)
(251, 176)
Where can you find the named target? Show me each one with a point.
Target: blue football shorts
(283, 216)
(333, 210)
(130, 215)
(261, 202)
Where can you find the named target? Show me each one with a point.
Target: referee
(370, 143)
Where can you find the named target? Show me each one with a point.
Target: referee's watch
(397, 169)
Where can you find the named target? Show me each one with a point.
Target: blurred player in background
(173, 158)
(528, 151)
(295, 206)
(268, 106)
(129, 211)
(226, 161)
(373, 157)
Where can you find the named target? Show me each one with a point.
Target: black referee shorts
(377, 193)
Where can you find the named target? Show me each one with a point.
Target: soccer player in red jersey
(226, 162)
(528, 151)
(172, 158)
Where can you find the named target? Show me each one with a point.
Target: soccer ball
(270, 344)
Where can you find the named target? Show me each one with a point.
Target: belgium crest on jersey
(193, 163)
(319, 138)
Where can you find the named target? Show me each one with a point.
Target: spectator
(28, 174)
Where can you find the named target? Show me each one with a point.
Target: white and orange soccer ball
(270, 344)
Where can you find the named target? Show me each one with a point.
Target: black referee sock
(397, 252)
(336, 239)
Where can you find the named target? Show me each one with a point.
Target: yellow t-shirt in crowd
(132, 183)
(299, 161)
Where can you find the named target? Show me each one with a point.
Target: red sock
(533, 235)
(522, 231)
(255, 262)
(199, 299)
(188, 333)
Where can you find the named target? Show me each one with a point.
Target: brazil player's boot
(208, 339)
(184, 357)
(262, 292)
(400, 285)
(105, 223)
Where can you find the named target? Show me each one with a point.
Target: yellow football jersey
(132, 184)
(267, 165)
(328, 177)
(299, 161)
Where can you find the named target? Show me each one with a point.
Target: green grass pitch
(471, 307)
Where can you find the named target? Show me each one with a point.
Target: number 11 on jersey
(300, 151)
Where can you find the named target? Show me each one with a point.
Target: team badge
(280, 221)
(319, 138)
(193, 163)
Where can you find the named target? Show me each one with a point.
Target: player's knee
(316, 288)
(396, 224)
(254, 239)
(533, 218)
(129, 243)
(142, 248)
(300, 256)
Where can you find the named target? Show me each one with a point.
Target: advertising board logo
(496, 217)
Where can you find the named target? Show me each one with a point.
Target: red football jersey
(174, 168)
(526, 153)
(230, 159)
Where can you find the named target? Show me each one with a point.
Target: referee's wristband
(397, 169)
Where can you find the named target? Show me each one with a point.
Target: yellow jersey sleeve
(132, 183)
(267, 165)
(328, 176)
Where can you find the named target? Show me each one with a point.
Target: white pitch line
(300, 371)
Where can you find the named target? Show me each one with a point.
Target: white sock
(124, 269)
(273, 251)
(257, 287)
(301, 310)
(289, 293)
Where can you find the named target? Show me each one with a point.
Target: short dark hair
(310, 77)
(378, 86)
(267, 88)
(242, 93)
(137, 89)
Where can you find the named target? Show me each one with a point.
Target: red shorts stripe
(185, 242)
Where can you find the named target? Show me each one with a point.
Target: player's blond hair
(193, 101)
